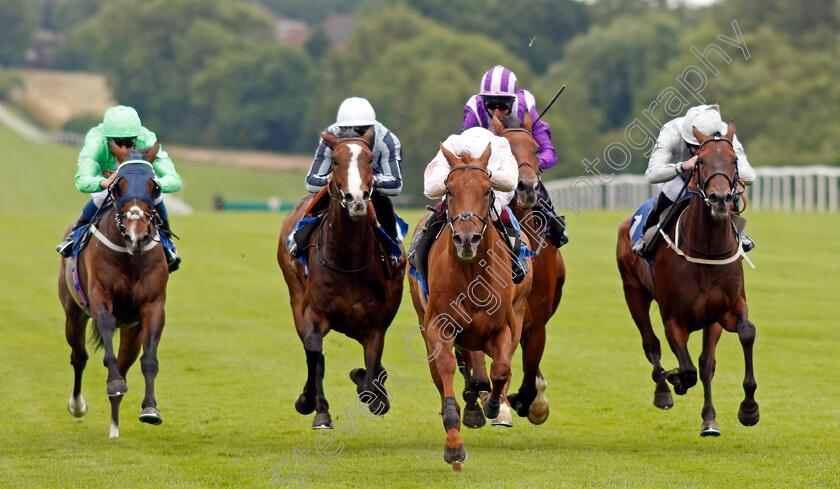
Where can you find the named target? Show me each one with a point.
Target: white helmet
(706, 118)
(355, 111)
(473, 142)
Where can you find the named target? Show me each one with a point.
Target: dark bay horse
(348, 287)
(698, 281)
(122, 276)
(549, 269)
(472, 301)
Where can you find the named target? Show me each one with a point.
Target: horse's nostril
(365, 195)
(476, 238)
(728, 198)
(457, 240)
(537, 187)
(520, 186)
(348, 197)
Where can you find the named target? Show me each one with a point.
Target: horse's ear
(450, 157)
(498, 127)
(699, 135)
(152, 153)
(329, 139)
(730, 133)
(368, 136)
(119, 153)
(485, 157)
(528, 121)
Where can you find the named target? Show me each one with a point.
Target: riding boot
(384, 210)
(166, 234)
(418, 250)
(519, 268)
(298, 241)
(65, 249)
(556, 224)
(662, 202)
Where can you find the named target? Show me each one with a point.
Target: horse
(119, 280)
(348, 285)
(698, 281)
(472, 303)
(549, 269)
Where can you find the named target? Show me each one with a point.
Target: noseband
(467, 215)
(733, 182)
(342, 198)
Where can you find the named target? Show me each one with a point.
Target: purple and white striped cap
(498, 81)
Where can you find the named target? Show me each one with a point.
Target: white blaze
(354, 178)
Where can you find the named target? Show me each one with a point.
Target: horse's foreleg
(106, 324)
(711, 335)
(748, 412)
(530, 401)
(638, 301)
(499, 371)
(152, 320)
(313, 343)
(370, 385)
(454, 451)
(75, 326)
(471, 365)
(685, 376)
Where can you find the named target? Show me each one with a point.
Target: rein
(323, 261)
(675, 246)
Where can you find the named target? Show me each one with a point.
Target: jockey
(503, 177)
(674, 156)
(357, 114)
(499, 96)
(97, 171)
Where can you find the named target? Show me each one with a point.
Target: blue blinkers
(137, 173)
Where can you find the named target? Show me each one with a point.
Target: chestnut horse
(349, 286)
(122, 276)
(698, 281)
(472, 301)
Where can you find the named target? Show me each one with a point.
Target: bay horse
(121, 277)
(472, 302)
(549, 268)
(698, 280)
(348, 285)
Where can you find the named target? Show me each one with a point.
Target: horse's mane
(510, 121)
(346, 132)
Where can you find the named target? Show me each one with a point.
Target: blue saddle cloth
(392, 246)
(639, 218)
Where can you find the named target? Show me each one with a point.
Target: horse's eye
(537, 151)
(489, 191)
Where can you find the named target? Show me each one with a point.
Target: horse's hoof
(455, 455)
(116, 387)
(114, 431)
(322, 421)
(504, 418)
(709, 428)
(151, 415)
(473, 417)
(748, 418)
(304, 406)
(77, 407)
(491, 407)
(357, 375)
(379, 406)
(538, 411)
(663, 399)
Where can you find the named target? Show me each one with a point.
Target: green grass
(231, 366)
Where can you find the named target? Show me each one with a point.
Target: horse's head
(134, 192)
(469, 196)
(352, 170)
(526, 150)
(716, 171)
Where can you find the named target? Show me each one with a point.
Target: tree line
(210, 72)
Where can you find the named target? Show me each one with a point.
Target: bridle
(468, 215)
(703, 183)
(341, 197)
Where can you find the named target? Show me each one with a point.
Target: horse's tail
(95, 339)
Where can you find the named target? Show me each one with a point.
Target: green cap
(121, 122)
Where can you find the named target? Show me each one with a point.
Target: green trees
(18, 20)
